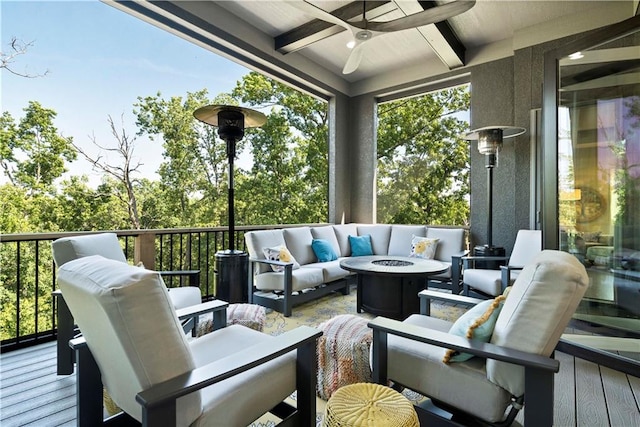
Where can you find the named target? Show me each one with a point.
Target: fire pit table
(388, 285)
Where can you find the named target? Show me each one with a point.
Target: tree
(308, 117)
(123, 169)
(35, 151)
(423, 162)
(16, 48)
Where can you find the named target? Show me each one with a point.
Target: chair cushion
(423, 247)
(324, 250)
(237, 400)
(185, 297)
(487, 281)
(257, 240)
(380, 235)
(298, 242)
(451, 242)
(540, 304)
(343, 231)
(69, 248)
(360, 245)
(128, 320)
(330, 270)
(401, 236)
(302, 278)
(477, 324)
(327, 233)
(419, 367)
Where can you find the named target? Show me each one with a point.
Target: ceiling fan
(364, 30)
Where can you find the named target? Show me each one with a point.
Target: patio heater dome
(490, 140)
(231, 265)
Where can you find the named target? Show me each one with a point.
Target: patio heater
(231, 265)
(490, 141)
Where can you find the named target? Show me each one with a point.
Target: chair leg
(88, 389)
(379, 357)
(538, 407)
(306, 370)
(65, 334)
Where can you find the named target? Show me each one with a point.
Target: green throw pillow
(477, 324)
(323, 250)
(360, 245)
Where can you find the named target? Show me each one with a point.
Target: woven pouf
(343, 353)
(250, 315)
(370, 405)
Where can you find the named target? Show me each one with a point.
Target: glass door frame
(549, 168)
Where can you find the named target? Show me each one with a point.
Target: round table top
(387, 264)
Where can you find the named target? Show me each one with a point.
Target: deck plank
(592, 408)
(621, 404)
(564, 410)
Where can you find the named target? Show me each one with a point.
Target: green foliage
(423, 163)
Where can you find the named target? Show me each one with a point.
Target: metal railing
(28, 273)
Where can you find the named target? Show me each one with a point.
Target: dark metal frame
(159, 402)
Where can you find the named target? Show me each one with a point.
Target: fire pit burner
(392, 263)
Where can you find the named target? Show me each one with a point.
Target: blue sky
(99, 61)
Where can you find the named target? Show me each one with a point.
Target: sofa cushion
(324, 250)
(301, 278)
(258, 240)
(330, 270)
(67, 249)
(400, 240)
(540, 305)
(343, 231)
(360, 245)
(451, 242)
(423, 247)
(282, 254)
(380, 235)
(327, 233)
(298, 242)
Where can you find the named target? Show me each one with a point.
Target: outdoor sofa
(298, 276)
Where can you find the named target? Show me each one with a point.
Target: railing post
(145, 250)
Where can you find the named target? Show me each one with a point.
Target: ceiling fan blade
(354, 58)
(321, 14)
(429, 16)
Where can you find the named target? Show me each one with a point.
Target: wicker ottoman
(343, 353)
(369, 405)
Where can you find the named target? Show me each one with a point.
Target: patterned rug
(315, 312)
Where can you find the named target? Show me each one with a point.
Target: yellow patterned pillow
(280, 253)
(423, 247)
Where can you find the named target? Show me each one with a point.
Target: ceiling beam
(442, 39)
(317, 30)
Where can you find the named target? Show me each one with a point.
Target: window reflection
(599, 181)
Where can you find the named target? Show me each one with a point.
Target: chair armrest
(270, 262)
(428, 295)
(166, 392)
(477, 348)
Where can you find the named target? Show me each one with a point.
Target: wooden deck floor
(31, 394)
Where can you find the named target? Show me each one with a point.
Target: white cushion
(380, 235)
(400, 240)
(343, 231)
(258, 240)
(185, 297)
(419, 367)
(487, 281)
(302, 278)
(298, 242)
(128, 320)
(227, 403)
(67, 249)
(451, 242)
(541, 302)
(331, 270)
(327, 233)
